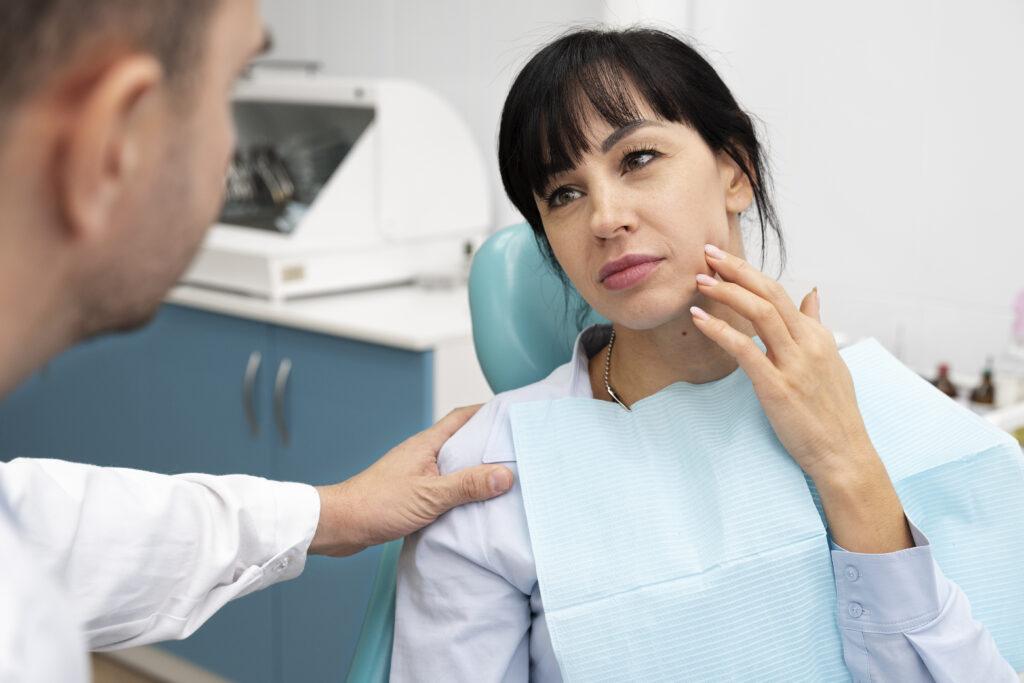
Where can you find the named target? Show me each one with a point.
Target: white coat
(95, 558)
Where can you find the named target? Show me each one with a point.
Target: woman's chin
(649, 317)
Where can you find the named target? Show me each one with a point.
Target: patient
(627, 154)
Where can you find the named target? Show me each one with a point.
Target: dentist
(115, 133)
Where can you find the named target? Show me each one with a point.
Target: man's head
(115, 134)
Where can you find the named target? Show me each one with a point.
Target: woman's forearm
(863, 511)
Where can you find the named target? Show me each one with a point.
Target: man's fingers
(473, 484)
(449, 424)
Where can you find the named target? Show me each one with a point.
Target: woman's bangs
(557, 135)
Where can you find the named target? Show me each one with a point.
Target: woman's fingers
(811, 305)
(764, 315)
(738, 345)
(736, 270)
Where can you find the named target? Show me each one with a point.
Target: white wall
(896, 131)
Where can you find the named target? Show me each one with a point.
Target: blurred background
(894, 133)
(327, 316)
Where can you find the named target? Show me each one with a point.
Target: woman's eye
(638, 159)
(562, 196)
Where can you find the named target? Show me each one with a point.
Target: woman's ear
(736, 186)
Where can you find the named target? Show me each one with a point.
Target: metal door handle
(284, 372)
(252, 370)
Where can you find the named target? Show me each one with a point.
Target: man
(115, 135)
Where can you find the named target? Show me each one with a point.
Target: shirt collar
(588, 343)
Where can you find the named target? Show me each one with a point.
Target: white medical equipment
(341, 184)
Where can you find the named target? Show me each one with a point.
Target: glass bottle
(943, 383)
(985, 393)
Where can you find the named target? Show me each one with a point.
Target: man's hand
(402, 492)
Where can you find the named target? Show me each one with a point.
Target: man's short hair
(41, 37)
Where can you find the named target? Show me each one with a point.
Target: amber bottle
(943, 383)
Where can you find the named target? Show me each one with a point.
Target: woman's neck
(646, 361)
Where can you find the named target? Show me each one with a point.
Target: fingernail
(500, 481)
(706, 280)
(699, 313)
(713, 251)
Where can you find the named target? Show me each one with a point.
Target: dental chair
(525, 321)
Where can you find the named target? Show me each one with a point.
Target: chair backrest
(525, 321)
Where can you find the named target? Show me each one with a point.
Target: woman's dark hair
(543, 124)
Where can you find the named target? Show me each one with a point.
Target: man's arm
(148, 557)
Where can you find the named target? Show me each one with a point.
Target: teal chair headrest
(525, 319)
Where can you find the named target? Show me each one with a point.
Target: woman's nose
(610, 213)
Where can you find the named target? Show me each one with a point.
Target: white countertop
(406, 317)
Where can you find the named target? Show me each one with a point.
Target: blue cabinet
(166, 398)
(347, 403)
(174, 397)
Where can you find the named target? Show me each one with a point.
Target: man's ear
(736, 186)
(100, 143)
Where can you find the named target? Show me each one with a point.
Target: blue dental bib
(679, 540)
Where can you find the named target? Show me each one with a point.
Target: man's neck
(37, 312)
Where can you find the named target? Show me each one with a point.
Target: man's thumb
(474, 484)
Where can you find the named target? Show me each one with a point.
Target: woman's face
(629, 223)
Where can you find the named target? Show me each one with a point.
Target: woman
(633, 163)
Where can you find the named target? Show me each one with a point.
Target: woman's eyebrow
(625, 130)
(552, 171)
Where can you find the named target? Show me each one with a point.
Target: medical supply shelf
(217, 383)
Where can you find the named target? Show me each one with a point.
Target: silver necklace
(607, 369)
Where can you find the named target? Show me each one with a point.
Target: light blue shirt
(469, 607)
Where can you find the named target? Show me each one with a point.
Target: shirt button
(852, 574)
(855, 610)
(282, 565)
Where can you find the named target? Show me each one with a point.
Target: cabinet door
(167, 399)
(346, 404)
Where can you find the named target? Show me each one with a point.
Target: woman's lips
(628, 271)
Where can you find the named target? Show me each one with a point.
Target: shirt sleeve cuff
(297, 513)
(889, 592)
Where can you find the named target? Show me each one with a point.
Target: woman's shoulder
(487, 436)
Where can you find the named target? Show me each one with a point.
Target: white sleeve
(147, 557)
(456, 618)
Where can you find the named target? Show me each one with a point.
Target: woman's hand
(807, 394)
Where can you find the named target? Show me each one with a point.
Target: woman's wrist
(860, 503)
